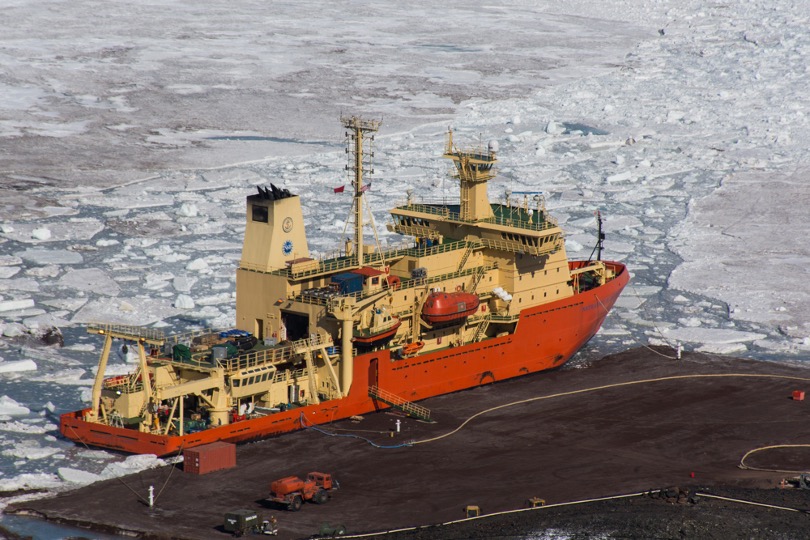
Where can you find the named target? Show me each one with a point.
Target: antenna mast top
(359, 130)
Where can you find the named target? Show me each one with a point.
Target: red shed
(209, 457)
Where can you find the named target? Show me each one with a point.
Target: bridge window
(260, 213)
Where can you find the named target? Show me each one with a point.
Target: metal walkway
(411, 409)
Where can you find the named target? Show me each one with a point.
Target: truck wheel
(296, 503)
(320, 497)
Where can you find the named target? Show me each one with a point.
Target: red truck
(292, 491)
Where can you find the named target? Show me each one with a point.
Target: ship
(479, 292)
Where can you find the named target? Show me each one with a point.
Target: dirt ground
(567, 435)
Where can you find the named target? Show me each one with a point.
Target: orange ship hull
(540, 342)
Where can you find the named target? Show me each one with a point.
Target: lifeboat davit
(442, 307)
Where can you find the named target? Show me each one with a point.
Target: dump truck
(292, 491)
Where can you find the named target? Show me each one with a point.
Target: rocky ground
(645, 517)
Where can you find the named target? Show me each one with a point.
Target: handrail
(444, 212)
(408, 407)
(127, 330)
(328, 266)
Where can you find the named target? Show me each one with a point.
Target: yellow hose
(615, 385)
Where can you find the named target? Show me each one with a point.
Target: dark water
(27, 527)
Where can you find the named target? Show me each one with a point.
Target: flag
(340, 189)
(365, 188)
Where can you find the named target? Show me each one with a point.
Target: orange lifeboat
(412, 348)
(441, 307)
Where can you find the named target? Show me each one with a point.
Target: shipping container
(241, 522)
(209, 458)
(348, 283)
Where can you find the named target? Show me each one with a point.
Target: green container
(241, 521)
(181, 353)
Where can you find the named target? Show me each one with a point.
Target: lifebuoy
(393, 282)
(458, 288)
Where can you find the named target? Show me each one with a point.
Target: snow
(131, 160)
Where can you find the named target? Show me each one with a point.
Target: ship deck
(630, 422)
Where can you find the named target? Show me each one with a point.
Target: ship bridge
(509, 227)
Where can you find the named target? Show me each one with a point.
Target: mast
(473, 170)
(600, 238)
(360, 130)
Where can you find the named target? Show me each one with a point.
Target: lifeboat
(441, 307)
(383, 327)
(371, 336)
(412, 348)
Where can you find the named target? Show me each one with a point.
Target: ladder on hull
(409, 408)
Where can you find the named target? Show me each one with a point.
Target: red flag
(365, 188)
(340, 189)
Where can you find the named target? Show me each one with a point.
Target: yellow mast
(359, 131)
(473, 170)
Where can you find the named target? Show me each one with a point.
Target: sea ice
(9, 407)
(13, 305)
(50, 256)
(17, 365)
(714, 336)
(28, 449)
(77, 476)
(29, 481)
(15, 426)
(92, 280)
(184, 301)
(41, 233)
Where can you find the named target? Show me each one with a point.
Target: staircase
(411, 409)
(482, 327)
(477, 278)
(467, 252)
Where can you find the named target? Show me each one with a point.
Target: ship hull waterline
(546, 337)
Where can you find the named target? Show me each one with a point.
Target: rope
(174, 466)
(350, 436)
(165, 483)
(78, 437)
(503, 513)
(742, 464)
(660, 334)
(606, 386)
(752, 503)
(558, 505)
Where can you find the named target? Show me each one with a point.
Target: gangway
(409, 408)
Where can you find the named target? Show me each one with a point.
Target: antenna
(358, 132)
(600, 238)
